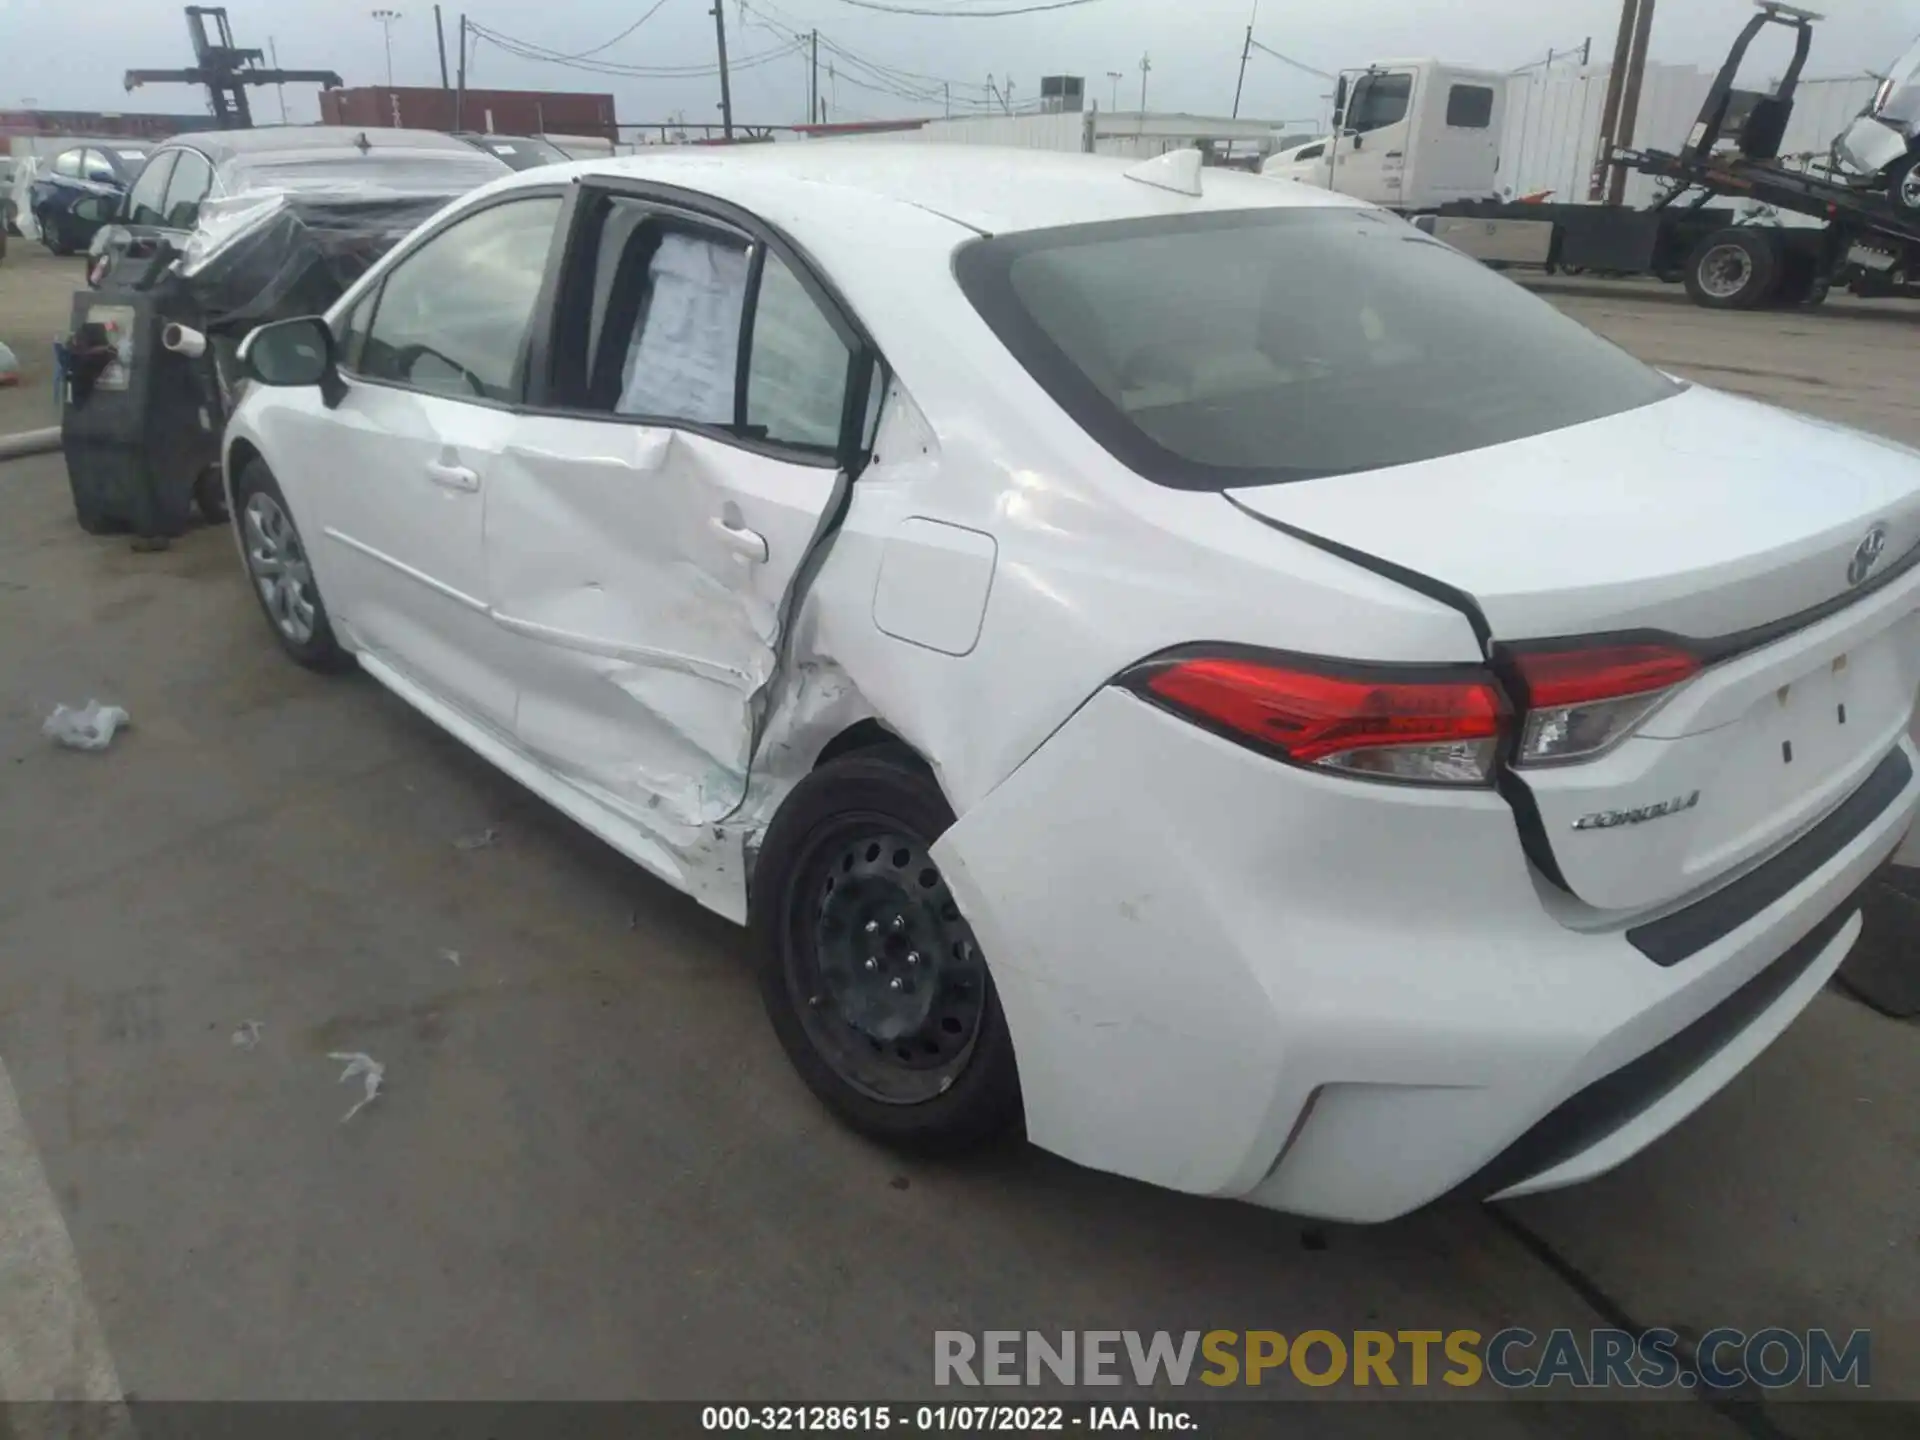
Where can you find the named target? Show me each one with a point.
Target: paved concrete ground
(593, 1175)
(36, 298)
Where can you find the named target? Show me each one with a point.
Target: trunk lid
(1726, 523)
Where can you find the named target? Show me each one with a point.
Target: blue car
(101, 170)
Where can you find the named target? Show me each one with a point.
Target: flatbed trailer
(1727, 259)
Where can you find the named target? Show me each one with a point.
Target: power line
(583, 54)
(1289, 60)
(966, 14)
(526, 50)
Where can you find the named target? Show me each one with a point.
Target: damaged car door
(657, 504)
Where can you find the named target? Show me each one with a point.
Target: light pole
(386, 19)
(1145, 65)
(1116, 77)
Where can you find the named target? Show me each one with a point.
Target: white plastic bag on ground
(91, 727)
(9, 366)
(359, 1064)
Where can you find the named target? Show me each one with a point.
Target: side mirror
(293, 353)
(1339, 102)
(1359, 141)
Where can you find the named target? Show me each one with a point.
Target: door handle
(749, 544)
(452, 477)
(1395, 154)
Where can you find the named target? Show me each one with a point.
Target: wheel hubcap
(890, 982)
(1725, 271)
(279, 567)
(1910, 188)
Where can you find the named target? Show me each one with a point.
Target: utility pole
(1586, 51)
(273, 54)
(1145, 65)
(946, 88)
(1630, 97)
(1610, 107)
(726, 91)
(813, 81)
(1246, 49)
(1115, 77)
(386, 19)
(440, 35)
(460, 84)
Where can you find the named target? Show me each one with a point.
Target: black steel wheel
(870, 974)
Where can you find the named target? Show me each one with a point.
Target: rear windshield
(1255, 347)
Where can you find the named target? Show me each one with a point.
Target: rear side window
(1312, 152)
(1470, 107)
(192, 179)
(1256, 347)
(690, 323)
(67, 162)
(146, 202)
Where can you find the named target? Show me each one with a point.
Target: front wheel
(53, 233)
(1903, 186)
(281, 574)
(871, 976)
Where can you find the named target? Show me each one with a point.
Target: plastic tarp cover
(288, 234)
(26, 169)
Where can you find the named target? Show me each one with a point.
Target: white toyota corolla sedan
(1184, 662)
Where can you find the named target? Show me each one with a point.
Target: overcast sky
(48, 57)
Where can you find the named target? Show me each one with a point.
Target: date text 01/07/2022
(945, 1419)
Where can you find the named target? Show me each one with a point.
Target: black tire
(1736, 268)
(53, 232)
(210, 496)
(924, 1100)
(1903, 186)
(318, 650)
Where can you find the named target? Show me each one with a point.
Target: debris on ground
(452, 957)
(9, 366)
(480, 841)
(248, 1035)
(90, 727)
(359, 1064)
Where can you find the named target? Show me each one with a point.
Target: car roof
(219, 145)
(985, 188)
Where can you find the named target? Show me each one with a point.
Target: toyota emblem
(1866, 555)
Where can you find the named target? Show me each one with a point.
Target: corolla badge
(1608, 819)
(1866, 555)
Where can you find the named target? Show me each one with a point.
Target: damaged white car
(1182, 661)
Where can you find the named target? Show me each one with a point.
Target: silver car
(1882, 142)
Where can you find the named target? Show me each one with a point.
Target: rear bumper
(1237, 978)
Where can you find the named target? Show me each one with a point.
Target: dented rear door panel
(625, 567)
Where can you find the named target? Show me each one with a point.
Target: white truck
(1408, 134)
(1423, 138)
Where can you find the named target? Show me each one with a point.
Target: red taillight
(1581, 701)
(1431, 725)
(1606, 672)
